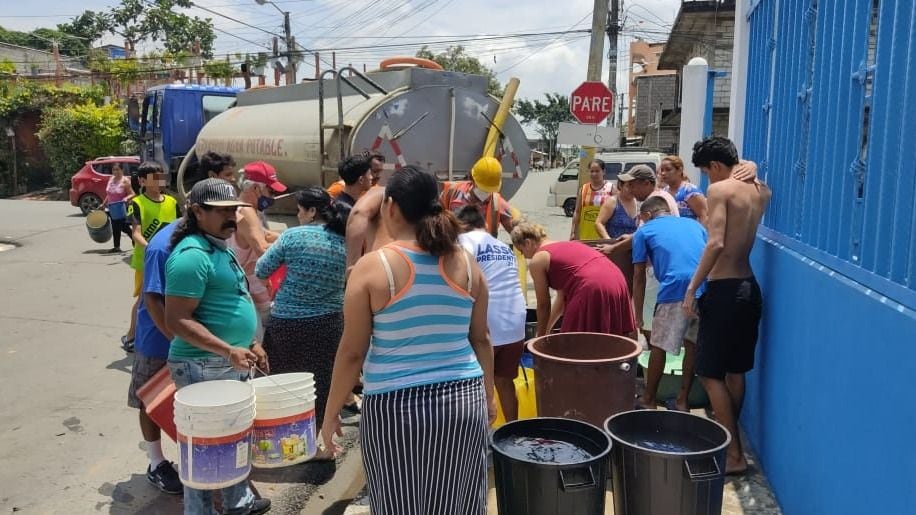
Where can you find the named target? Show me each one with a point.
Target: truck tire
(569, 207)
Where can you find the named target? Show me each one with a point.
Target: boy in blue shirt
(152, 351)
(673, 246)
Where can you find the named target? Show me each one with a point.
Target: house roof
(695, 19)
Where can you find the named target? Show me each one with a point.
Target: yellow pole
(489, 148)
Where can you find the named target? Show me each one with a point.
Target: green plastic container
(671, 380)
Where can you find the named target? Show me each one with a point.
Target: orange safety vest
(451, 190)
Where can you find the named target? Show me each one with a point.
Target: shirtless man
(730, 307)
(365, 231)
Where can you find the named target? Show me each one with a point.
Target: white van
(563, 192)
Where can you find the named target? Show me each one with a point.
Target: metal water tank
(435, 119)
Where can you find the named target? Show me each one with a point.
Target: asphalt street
(68, 441)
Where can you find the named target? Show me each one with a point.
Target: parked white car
(563, 192)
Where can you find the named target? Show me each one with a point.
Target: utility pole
(613, 31)
(290, 46)
(58, 68)
(595, 58)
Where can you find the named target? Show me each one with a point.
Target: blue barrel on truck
(171, 117)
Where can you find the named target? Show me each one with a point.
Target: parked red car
(87, 186)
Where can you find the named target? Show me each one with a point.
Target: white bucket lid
(214, 394)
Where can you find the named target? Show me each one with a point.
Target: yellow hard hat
(487, 174)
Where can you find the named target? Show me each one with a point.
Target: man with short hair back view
(673, 245)
(731, 306)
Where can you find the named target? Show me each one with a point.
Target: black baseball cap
(215, 193)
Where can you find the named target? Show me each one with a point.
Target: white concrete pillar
(738, 93)
(693, 112)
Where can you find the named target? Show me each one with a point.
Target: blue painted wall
(830, 404)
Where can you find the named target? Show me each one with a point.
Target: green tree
(219, 69)
(72, 135)
(456, 59)
(43, 39)
(157, 20)
(546, 116)
(89, 26)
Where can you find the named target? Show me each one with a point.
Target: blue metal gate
(831, 99)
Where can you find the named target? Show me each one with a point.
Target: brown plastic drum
(584, 376)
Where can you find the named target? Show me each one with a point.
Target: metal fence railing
(831, 107)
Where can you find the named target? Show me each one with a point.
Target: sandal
(127, 343)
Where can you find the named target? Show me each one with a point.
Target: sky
(544, 63)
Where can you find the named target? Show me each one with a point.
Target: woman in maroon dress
(592, 294)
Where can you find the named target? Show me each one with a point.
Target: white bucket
(214, 396)
(269, 383)
(233, 420)
(214, 420)
(293, 393)
(284, 432)
(185, 411)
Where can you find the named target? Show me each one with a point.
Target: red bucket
(158, 396)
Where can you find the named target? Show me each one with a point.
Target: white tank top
(506, 309)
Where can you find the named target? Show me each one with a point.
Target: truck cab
(171, 117)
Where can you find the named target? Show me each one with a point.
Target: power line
(440, 42)
(532, 54)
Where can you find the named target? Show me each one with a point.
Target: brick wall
(650, 91)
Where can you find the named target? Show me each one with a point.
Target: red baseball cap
(260, 171)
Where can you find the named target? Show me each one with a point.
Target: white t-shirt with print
(506, 309)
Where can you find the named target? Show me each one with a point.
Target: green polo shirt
(199, 270)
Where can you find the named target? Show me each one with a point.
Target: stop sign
(591, 102)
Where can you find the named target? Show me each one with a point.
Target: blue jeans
(237, 499)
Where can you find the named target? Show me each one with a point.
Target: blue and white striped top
(421, 336)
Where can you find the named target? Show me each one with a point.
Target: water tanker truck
(436, 119)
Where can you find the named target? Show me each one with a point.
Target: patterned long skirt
(305, 345)
(424, 449)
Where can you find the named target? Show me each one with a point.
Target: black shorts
(729, 320)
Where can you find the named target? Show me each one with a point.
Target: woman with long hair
(306, 319)
(117, 195)
(416, 322)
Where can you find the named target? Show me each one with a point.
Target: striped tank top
(421, 336)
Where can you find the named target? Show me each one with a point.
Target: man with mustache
(211, 314)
